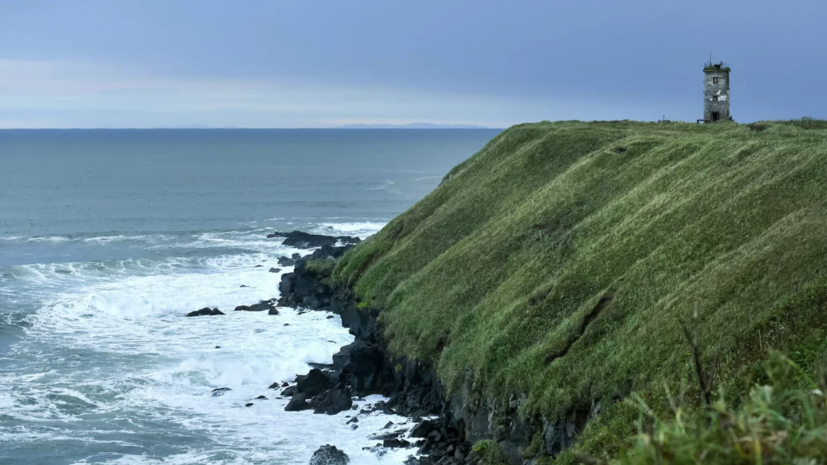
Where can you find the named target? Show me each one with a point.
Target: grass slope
(559, 261)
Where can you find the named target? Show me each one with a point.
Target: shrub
(490, 453)
(777, 423)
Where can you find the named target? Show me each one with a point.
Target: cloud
(76, 93)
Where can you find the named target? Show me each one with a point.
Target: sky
(325, 63)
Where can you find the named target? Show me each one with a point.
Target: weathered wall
(721, 89)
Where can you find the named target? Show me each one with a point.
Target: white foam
(162, 366)
(382, 186)
(361, 228)
(118, 238)
(49, 239)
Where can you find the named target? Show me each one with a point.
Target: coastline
(444, 428)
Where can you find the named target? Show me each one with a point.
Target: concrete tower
(716, 92)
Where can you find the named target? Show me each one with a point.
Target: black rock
(261, 398)
(206, 311)
(259, 307)
(273, 311)
(330, 317)
(422, 429)
(352, 420)
(289, 392)
(297, 403)
(285, 384)
(315, 383)
(244, 285)
(389, 435)
(249, 404)
(284, 261)
(217, 347)
(384, 408)
(321, 366)
(218, 392)
(303, 240)
(296, 256)
(258, 266)
(334, 401)
(275, 385)
(394, 443)
(329, 455)
(275, 270)
(364, 362)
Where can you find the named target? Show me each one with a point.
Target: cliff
(548, 276)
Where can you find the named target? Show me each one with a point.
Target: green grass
(500, 270)
(322, 268)
(490, 453)
(777, 423)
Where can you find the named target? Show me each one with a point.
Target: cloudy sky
(322, 63)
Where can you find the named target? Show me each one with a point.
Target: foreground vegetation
(777, 423)
(560, 262)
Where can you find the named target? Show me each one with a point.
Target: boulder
(297, 403)
(206, 311)
(394, 443)
(334, 401)
(275, 270)
(315, 383)
(284, 261)
(329, 455)
(363, 362)
(303, 240)
(422, 429)
(259, 307)
(218, 392)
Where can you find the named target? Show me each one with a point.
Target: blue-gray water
(107, 237)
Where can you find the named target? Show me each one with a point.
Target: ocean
(109, 237)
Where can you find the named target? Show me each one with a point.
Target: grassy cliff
(559, 262)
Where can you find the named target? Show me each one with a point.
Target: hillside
(558, 263)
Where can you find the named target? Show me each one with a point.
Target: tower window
(714, 98)
(714, 80)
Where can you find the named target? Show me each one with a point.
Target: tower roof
(713, 67)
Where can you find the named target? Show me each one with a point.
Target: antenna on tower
(710, 58)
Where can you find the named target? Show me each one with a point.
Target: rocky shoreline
(446, 427)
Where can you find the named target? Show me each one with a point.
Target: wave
(360, 228)
(143, 238)
(110, 338)
(382, 186)
(48, 239)
(92, 239)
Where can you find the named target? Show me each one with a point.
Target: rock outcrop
(366, 367)
(206, 311)
(309, 285)
(263, 305)
(303, 240)
(329, 455)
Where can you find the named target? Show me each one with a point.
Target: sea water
(109, 237)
